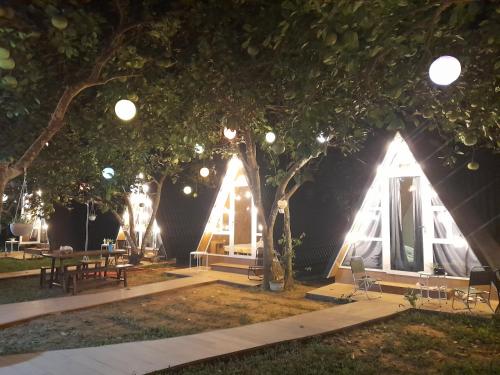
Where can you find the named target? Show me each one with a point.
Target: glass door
(405, 218)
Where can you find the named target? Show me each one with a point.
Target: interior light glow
(187, 190)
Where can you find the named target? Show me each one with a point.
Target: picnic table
(61, 257)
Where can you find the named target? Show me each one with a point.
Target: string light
(199, 148)
(204, 172)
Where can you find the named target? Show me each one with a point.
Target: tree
(156, 144)
(340, 69)
(53, 51)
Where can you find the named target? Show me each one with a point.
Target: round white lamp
(187, 190)
(204, 172)
(445, 70)
(229, 133)
(125, 109)
(108, 173)
(270, 137)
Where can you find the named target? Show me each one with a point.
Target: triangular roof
(398, 159)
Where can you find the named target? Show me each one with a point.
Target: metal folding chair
(360, 279)
(479, 289)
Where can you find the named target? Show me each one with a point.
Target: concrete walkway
(146, 356)
(13, 313)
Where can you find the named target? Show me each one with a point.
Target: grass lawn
(170, 314)
(415, 342)
(28, 288)
(13, 265)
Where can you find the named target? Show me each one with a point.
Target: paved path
(13, 313)
(146, 356)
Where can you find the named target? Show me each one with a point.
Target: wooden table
(61, 257)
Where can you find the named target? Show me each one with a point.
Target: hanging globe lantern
(187, 190)
(108, 173)
(125, 109)
(270, 137)
(445, 70)
(204, 172)
(229, 133)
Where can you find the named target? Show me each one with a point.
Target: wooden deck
(146, 356)
(13, 313)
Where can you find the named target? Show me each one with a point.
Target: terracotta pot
(21, 229)
(276, 286)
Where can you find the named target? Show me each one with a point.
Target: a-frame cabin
(403, 227)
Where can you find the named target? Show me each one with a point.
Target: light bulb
(187, 190)
(445, 70)
(125, 109)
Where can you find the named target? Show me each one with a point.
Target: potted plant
(277, 282)
(22, 226)
(438, 269)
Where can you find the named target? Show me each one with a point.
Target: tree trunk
(3, 184)
(288, 250)
(131, 226)
(156, 205)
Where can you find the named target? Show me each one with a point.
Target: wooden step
(241, 269)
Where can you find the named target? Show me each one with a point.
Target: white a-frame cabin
(403, 226)
(232, 231)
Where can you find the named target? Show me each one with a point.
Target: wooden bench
(97, 267)
(71, 278)
(45, 273)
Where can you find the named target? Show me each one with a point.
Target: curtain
(418, 261)
(456, 259)
(399, 260)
